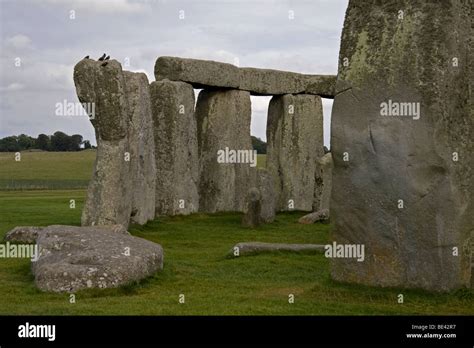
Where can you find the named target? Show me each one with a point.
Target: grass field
(52, 170)
(46, 170)
(196, 266)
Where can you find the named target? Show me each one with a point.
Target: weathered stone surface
(253, 207)
(274, 82)
(254, 248)
(223, 121)
(199, 73)
(206, 73)
(422, 58)
(142, 147)
(23, 234)
(295, 143)
(73, 258)
(317, 216)
(123, 181)
(176, 148)
(109, 196)
(266, 186)
(326, 164)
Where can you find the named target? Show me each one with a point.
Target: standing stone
(223, 121)
(403, 109)
(326, 165)
(175, 148)
(109, 196)
(253, 207)
(142, 147)
(266, 186)
(295, 143)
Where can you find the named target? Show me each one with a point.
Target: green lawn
(46, 170)
(52, 170)
(196, 266)
(261, 161)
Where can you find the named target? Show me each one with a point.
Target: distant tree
(43, 142)
(259, 145)
(26, 142)
(87, 144)
(75, 142)
(60, 141)
(9, 144)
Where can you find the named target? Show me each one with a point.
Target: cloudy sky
(41, 41)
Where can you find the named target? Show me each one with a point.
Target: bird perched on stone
(107, 58)
(86, 57)
(102, 57)
(104, 64)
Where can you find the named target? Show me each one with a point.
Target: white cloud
(14, 87)
(19, 41)
(102, 6)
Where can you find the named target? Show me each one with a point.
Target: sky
(42, 40)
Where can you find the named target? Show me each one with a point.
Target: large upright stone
(109, 196)
(295, 143)
(142, 147)
(398, 187)
(223, 122)
(176, 149)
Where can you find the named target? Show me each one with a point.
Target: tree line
(59, 141)
(259, 145)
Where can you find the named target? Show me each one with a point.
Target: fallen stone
(317, 216)
(397, 188)
(176, 148)
(197, 72)
(223, 119)
(294, 145)
(266, 186)
(73, 258)
(252, 212)
(23, 234)
(254, 248)
(142, 147)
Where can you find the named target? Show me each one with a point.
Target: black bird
(86, 57)
(104, 64)
(107, 58)
(102, 58)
